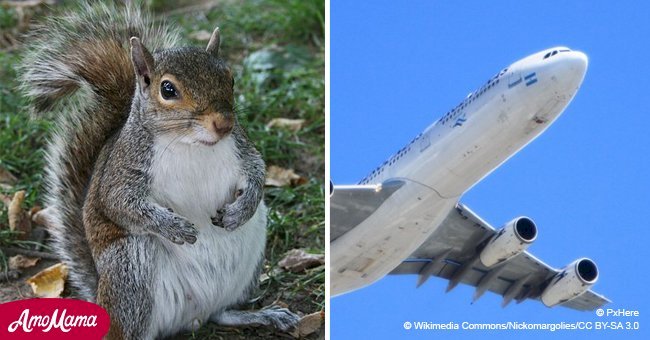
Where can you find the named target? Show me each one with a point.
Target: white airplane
(405, 218)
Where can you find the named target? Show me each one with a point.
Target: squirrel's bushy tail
(77, 70)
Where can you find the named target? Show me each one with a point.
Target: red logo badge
(52, 319)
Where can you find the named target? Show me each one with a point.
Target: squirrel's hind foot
(276, 316)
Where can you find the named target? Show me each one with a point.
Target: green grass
(21, 143)
(266, 22)
(291, 85)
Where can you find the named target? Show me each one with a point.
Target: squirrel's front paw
(178, 230)
(229, 217)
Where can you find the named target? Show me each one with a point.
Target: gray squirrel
(155, 190)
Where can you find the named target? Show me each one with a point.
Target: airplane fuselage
(451, 156)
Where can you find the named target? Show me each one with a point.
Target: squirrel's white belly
(196, 280)
(194, 180)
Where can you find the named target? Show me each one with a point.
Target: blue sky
(397, 66)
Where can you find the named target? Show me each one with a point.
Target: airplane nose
(578, 62)
(574, 67)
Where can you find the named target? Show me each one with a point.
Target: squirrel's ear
(213, 44)
(142, 63)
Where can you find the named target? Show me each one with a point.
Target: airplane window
(554, 53)
(547, 55)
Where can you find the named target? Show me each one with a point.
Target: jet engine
(511, 240)
(572, 281)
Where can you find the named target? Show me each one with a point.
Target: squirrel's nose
(222, 124)
(222, 128)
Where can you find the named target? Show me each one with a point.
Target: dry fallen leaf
(309, 324)
(291, 124)
(201, 35)
(6, 177)
(15, 212)
(42, 217)
(280, 177)
(18, 219)
(297, 260)
(34, 210)
(20, 262)
(264, 277)
(50, 281)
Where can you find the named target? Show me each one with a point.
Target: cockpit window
(554, 52)
(550, 54)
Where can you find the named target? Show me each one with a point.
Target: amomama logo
(52, 319)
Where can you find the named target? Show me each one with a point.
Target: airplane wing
(351, 204)
(452, 253)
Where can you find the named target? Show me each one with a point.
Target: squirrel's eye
(167, 90)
